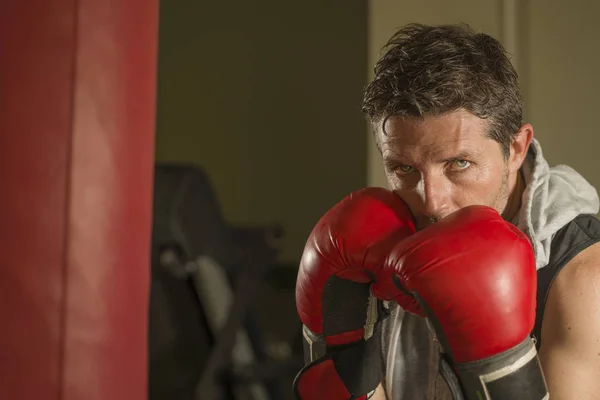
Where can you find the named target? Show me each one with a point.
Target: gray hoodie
(552, 198)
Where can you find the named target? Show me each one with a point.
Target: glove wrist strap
(513, 374)
(351, 373)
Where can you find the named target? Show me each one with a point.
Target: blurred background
(259, 132)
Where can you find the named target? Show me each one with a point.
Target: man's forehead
(456, 123)
(453, 129)
(435, 151)
(446, 136)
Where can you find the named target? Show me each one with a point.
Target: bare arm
(379, 394)
(570, 351)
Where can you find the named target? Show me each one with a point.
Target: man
(446, 111)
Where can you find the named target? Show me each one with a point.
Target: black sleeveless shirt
(569, 241)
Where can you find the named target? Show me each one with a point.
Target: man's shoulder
(580, 257)
(573, 238)
(577, 247)
(572, 245)
(571, 327)
(573, 274)
(572, 304)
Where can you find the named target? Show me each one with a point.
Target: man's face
(443, 163)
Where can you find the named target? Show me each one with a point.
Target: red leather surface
(321, 382)
(477, 274)
(77, 106)
(352, 241)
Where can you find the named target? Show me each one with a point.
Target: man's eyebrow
(396, 160)
(392, 161)
(462, 155)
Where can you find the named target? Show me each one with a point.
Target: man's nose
(435, 194)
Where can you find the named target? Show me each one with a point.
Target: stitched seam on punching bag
(68, 202)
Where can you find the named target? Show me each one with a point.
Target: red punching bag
(77, 116)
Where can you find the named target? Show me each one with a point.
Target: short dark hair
(432, 70)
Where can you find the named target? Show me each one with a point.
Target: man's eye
(405, 168)
(462, 164)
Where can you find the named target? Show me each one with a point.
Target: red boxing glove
(339, 272)
(474, 276)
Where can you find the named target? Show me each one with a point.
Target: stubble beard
(501, 201)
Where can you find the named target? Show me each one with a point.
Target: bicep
(379, 394)
(570, 351)
(569, 374)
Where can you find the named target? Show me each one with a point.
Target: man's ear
(519, 147)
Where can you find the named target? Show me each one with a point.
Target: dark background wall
(265, 97)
